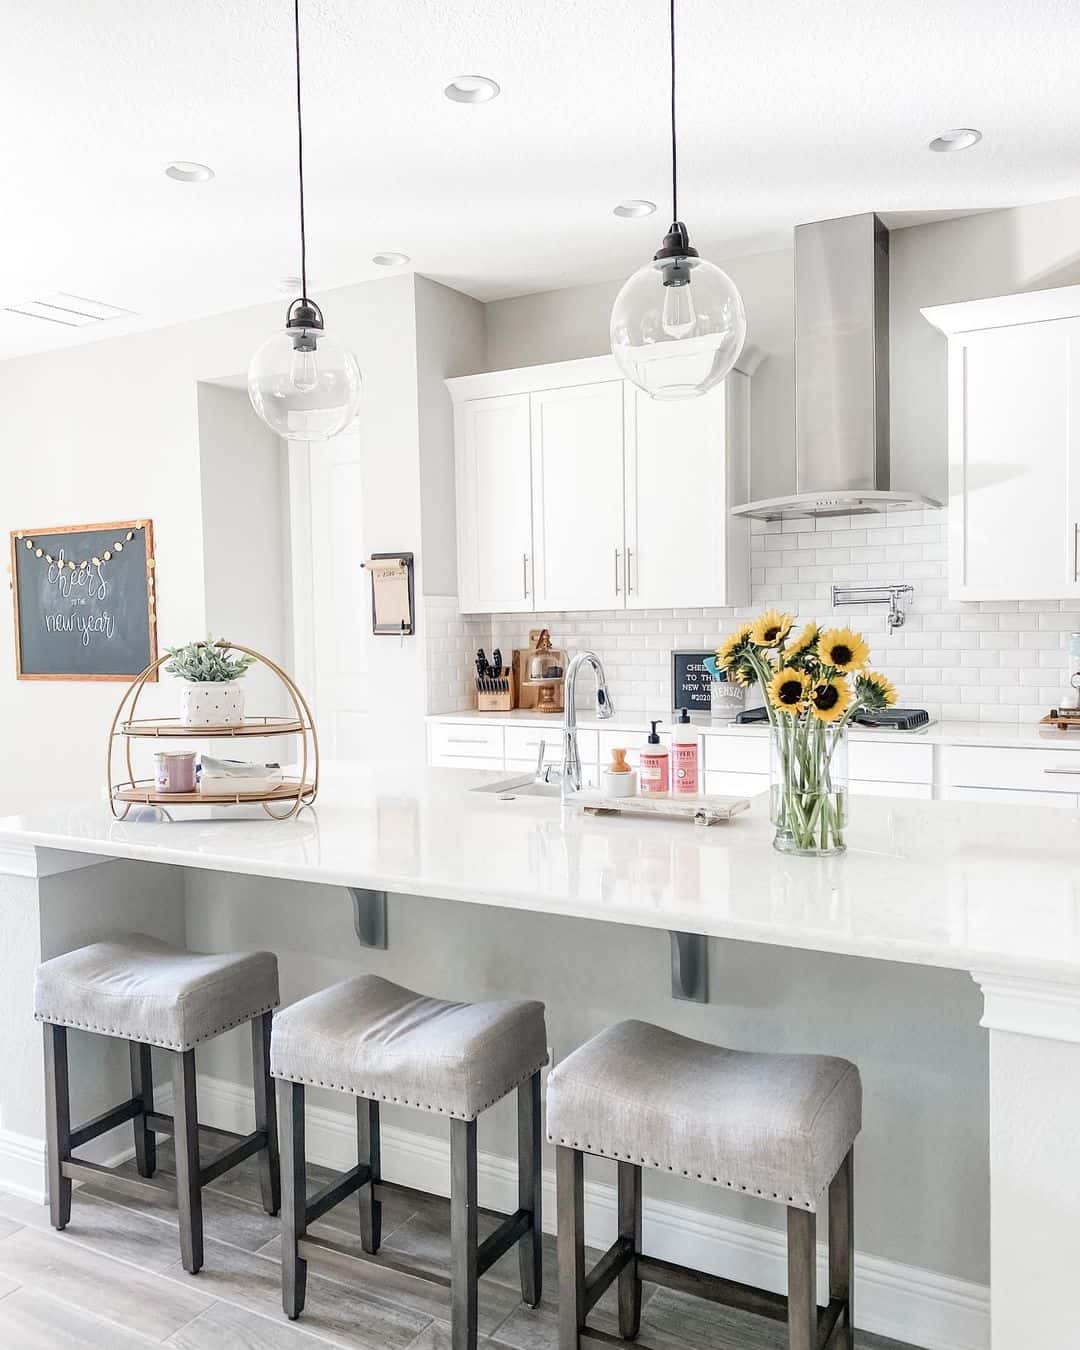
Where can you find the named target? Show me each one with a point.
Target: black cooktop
(890, 719)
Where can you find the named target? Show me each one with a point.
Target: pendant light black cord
(300, 152)
(674, 146)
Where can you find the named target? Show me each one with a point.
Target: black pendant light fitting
(676, 245)
(304, 317)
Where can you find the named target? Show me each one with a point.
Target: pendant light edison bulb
(678, 325)
(302, 382)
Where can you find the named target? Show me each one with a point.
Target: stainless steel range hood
(841, 376)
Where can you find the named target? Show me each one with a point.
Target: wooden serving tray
(1065, 719)
(701, 810)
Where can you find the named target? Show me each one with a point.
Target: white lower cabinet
(738, 765)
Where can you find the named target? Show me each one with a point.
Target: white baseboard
(22, 1157)
(892, 1299)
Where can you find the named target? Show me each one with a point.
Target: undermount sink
(506, 789)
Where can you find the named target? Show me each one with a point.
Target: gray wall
(997, 253)
(922, 1159)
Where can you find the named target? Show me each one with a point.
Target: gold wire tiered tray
(294, 792)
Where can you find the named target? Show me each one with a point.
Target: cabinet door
(679, 533)
(494, 504)
(1014, 437)
(577, 450)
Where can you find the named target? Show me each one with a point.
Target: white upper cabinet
(1014, 445)
(576, 491)
(682, 547)
(494, 503)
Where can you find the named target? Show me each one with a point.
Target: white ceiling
(789, 111)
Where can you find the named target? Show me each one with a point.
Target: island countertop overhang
(953, 884)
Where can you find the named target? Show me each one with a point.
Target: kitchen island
(993, 891)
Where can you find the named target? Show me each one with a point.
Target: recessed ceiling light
(471, 89)
(634, 207)
(390, 259)
(959, 138)
(187, 171)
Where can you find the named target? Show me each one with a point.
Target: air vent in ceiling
(71, 311)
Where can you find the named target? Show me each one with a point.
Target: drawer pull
(466, 740)
(1062, 771)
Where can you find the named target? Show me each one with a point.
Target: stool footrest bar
(331, 1255)
(613, 1262)
(828, 1319)
(713, 1287)
(336, 1191)
(224, 1162)
(162, 1124)
(93, 1174)
(108, 1120)
(497, 1244)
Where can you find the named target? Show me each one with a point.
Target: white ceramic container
(211, 703)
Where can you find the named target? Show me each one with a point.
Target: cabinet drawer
(1029, 770)
(632, 741)
(737, 754)
(865, 787)
(877, 762)
(524, 743)
(1066, 800)
(452, 741)
(723, 784)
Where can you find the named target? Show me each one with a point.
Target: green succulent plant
(208, 661)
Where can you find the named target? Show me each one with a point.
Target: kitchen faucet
(571, 761)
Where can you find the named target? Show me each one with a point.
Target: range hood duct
(841, 376)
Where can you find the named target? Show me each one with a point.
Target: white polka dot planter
(211, 703)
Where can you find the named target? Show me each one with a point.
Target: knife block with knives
(494, 683)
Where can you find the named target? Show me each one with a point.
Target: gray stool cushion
(378, 1040)
(142, 989)
(776, 1126)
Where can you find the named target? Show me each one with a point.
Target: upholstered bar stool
(148, 993)
(778, 1127)
(382, 1043)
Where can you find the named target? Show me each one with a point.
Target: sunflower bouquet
(814, 683)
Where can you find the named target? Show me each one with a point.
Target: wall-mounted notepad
(391, 593)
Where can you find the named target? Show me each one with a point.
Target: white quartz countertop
(1029, 734)
(970, 886)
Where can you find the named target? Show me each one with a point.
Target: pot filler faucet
(571, 761)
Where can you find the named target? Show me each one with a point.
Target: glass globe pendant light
(302, 382)
(678, 324)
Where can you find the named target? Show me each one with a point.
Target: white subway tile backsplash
(999, 661)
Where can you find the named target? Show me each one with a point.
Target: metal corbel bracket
(369, 917)
(690, 967)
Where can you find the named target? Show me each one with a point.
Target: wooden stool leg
(570, 1204)
(842, 1246)
(463, 1235)
(531, 1190)
(369, 1150)
(188, 1166)
(294, 1198)
(57, 1123)
(802, 1278)
(630, 1227)
(266, 1113)
(142, 1086)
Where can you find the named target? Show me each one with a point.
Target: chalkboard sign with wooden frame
(85, 601)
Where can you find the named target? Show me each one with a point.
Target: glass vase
(808, 783)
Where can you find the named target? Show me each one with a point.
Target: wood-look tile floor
(113, 1281)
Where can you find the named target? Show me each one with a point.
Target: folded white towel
(237, 768)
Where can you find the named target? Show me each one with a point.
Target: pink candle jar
(174, 771)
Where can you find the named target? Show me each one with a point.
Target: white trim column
(1034, 1029)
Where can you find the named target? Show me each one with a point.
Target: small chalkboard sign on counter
(691, 681)
(84, 601)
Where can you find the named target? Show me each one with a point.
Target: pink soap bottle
(685, 755)
(654, 770)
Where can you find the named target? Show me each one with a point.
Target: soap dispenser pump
(655, 769)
